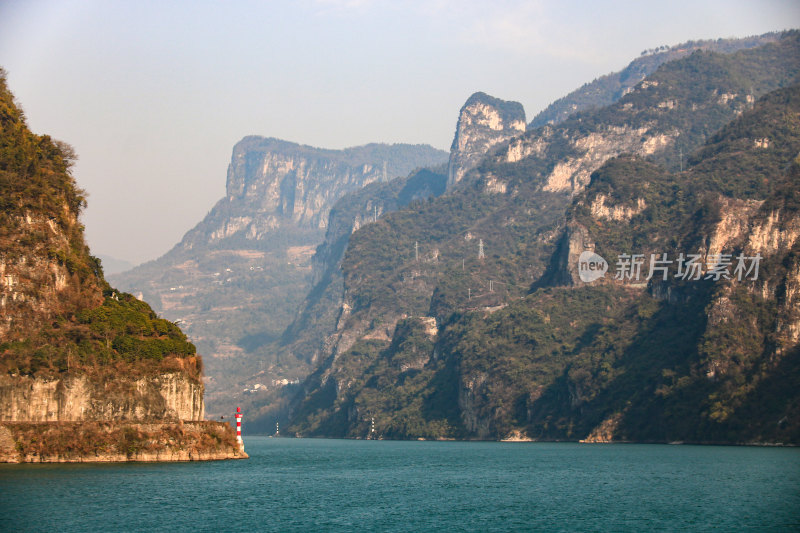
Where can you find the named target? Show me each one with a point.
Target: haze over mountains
(446, 303)
(235, 280)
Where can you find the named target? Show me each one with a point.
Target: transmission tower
(481, 255)
(416, 250)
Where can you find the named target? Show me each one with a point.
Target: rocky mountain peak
(272, 182)
(483, 122)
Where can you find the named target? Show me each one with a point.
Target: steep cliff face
(103, 442)
(483, 122)
(74, 398)
(275, 184)
(48, 277)
(235, 281)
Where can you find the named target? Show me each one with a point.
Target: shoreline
(514, 440)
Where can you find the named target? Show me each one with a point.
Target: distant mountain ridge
(272, 183)
(607, 89)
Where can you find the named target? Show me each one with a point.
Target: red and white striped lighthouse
(239, 427)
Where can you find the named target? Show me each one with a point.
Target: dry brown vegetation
(100, 441)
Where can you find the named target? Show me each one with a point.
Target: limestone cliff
(273, 184)
(483, 122)
(103, 442)
(77, 397)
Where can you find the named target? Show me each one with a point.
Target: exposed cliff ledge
(102, 442)
(483, 122)
(74, 397)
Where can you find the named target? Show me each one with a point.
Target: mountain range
(450, 301)
(465, 317)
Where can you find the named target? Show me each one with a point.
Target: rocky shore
(79, 442)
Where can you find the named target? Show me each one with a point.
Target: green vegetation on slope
(694, 361)
(59, 312)
(607, 89)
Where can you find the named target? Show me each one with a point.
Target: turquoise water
(336, 485)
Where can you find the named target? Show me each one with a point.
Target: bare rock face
(273, 184)
(483, 122)
(74, 398)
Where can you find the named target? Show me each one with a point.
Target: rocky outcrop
(604, 433)
(274, 184)
(81, 365)
(483, 122)
(172, 396)
(471, 390)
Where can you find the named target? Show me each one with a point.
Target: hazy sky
(153, 95)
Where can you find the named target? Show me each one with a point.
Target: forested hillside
(461, 316)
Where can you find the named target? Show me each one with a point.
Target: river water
(340, 485)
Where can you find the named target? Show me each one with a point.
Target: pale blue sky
(153, 95)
